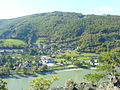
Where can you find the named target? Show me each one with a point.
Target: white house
(47, 60)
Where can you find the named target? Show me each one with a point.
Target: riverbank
(24, 82)
(68, 69)
(16, 76)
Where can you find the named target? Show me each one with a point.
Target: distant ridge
(89, 32)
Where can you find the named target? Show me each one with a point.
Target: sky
(17, 8)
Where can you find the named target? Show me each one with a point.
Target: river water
(22, 83)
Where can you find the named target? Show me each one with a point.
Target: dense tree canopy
(109, 62)
(89, 32)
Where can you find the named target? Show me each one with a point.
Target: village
(44, 58)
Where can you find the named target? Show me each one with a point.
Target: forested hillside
(84, 32)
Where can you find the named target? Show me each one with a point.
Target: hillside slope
(88, 32)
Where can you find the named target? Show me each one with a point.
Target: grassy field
(11, 43)
(82, 58)
(60, 60)
(62, 67)
(41, 40)
(90, 54)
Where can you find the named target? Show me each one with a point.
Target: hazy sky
(17, 8)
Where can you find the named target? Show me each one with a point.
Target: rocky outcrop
(114, 84)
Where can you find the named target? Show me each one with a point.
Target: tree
(115, 53)
(94, 77)
(108, 66)
(4, 71)
(3, 85)
(44, 68)
(77, 63)
(43, 83)
(24, 69)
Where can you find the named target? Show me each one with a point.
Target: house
(50, 61)
(27, 64)
(2, 51)
(37, 46)
(72, 58)
(94, 62)
(43, 57)
(44, 46)
(17, 65)
(46, 60)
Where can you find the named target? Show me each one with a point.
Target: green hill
(11, 43)
(88, 32)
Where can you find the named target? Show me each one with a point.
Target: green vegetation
(43, 83)
(59, 60)
(82, 58)
(42, 40)
(108, 66)
(11, 43)
(3, 85)
(88, 33)
(62, 67)
(71, 39)
(90, 54)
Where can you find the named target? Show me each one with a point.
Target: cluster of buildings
(44, 61)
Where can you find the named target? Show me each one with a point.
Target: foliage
(111, 57)
(11, 43)
(108, 64)
(4, 71)
(3, 85)
(43, 83)
(60, 60)
(44, 68)
(77, 63)
(82, 58)
(88, 33)
(116, 55)
(105, 67)
(70, 53)
(89, 54)
(62, 67)
(94, 77)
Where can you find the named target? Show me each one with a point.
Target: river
(22, 83)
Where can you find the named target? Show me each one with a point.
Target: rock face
(80, 86)
(117, 83)
(114, 84)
